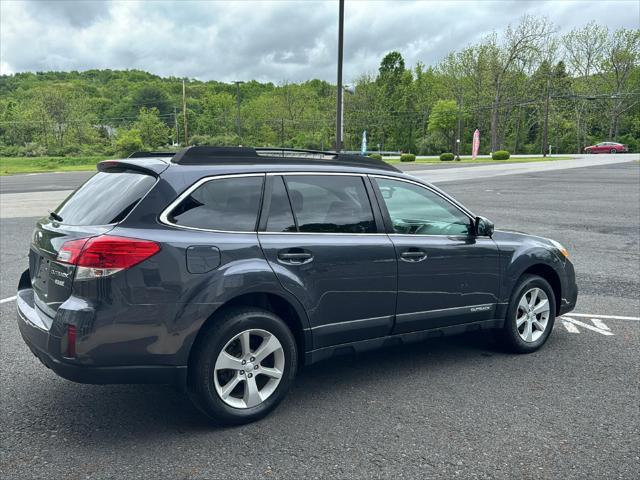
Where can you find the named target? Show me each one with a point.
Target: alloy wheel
(532, 316)
(249, 368)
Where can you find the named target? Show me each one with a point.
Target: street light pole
(339, 103)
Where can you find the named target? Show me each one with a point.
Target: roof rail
(203, 155)
(151, 154)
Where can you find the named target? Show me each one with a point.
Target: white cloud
(268, 41)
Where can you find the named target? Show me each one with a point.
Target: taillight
(105, 255)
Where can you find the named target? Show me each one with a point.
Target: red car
(607, 147)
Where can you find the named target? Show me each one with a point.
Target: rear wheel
(613, 150)
(243, 366)
(530, 316)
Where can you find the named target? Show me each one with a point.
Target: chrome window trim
(165, 213)
(324, 233)
(345, 174)
(460, 207)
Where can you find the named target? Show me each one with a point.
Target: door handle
(295, 256)
(413, 255)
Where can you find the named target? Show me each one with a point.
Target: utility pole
(184, 113)
(175, 120)
(339, 117)
(238, 129)
(458, 131)
(545, 131)
(282, 131)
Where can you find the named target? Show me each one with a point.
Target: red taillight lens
(107, 252)
(71, 341)
(70, 251)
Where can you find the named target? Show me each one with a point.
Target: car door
(446, 274)
(327, 247)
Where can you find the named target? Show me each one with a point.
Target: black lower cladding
(398, 339)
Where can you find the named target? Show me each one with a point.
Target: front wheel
(613, 150)
(530, 316)
(243, 366)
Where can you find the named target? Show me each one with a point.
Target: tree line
(524, 89)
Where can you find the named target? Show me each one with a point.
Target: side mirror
(484, 227)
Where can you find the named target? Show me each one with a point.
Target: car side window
(416, 210)
(330, 204)
(280, 217)
(229, 204)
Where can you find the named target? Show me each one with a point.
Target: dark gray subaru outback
(221, 270)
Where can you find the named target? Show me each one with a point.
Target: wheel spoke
(539, 325)
(268, 346)
(533, 298)
(542, 307)
(523, 305)
(244, 343)
(228, 362)
(229, 386)
(252, 395)
(521, 320)
(270, 372)
(528, 331)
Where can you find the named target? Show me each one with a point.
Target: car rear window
(105, 198)
(226, 204)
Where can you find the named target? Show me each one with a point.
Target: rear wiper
(55, 216)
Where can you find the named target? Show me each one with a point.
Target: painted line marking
(571, 328)
(600, 324)
(611, 317)
(578, 323)
(8, 299)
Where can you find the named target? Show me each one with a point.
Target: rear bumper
(36, 330)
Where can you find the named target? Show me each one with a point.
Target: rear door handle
(295, 256)
(413, 255)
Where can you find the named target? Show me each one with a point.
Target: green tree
(443, 119)
(129, 141)
(152, 131)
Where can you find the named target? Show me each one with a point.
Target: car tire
(514, 336)
(223, 343)
(613, 150)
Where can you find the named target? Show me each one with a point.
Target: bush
(129, 141)
(500, 155)
(375, 156)
(407, 157)
(447, 157)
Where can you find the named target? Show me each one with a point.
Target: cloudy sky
(267, 41)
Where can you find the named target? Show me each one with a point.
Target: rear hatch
(93, 209)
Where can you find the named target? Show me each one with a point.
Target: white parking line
(8, 299)
(578, 323)
(612, 317)
(571, 328)
(600, 324)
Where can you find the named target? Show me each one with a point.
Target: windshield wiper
(55, 216)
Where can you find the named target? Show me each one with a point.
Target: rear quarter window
(105, 198)
(226, 204)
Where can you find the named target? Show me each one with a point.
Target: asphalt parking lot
(453, 407)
